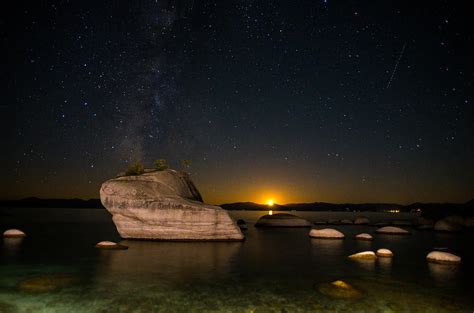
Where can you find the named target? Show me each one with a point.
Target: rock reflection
(443, 272)
(328, 247)
(172, 261)
(385, 264)
(11, 246)
(368, 265)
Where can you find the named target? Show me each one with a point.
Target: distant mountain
(435, 210)
(315, 206)
(33, 202)
(427, 209)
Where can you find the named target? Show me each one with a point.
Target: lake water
(273, 270)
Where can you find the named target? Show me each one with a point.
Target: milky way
(297, 101)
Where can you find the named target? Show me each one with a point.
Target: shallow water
(273, 270)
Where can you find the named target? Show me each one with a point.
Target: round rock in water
(282, 220)
(326, 233)
(392, 230)
(365, 255)
(339, 290)
(385, 253)
(110, 245)
(14, 233)
(443, 257)
(364, 236)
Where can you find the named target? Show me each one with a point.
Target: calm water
(274, 270)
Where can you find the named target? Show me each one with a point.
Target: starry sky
(298, 101)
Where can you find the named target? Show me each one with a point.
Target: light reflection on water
(272, 270)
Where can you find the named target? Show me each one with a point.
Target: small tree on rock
(186, 163)
(135, 169)
(161, 164)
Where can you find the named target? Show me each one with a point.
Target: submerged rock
(339, 290)
(447, 225)
(326, 233)
(110, 245)
(364, 236)
(443, 257)
(14, 233)
(402, 223)
(365, 255)
(48, 282)
(361, 221)
(384, 253)
(282, 220)
(165, 205)
(392, 230)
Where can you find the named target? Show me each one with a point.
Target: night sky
(299, 101)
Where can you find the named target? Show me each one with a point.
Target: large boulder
(164, 205)
(392, 230)
(326, 233)
(443, 257)
(282, 220)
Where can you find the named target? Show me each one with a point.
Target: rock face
(164, 205)
(339, 290)
(392, 230)
(282, 220)
(361, 221)
(364, 236)
(443, 258)
(447, 225)
(110, 245)
(384, 253)
(326, 233)
(14, 233)
(366, 255)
